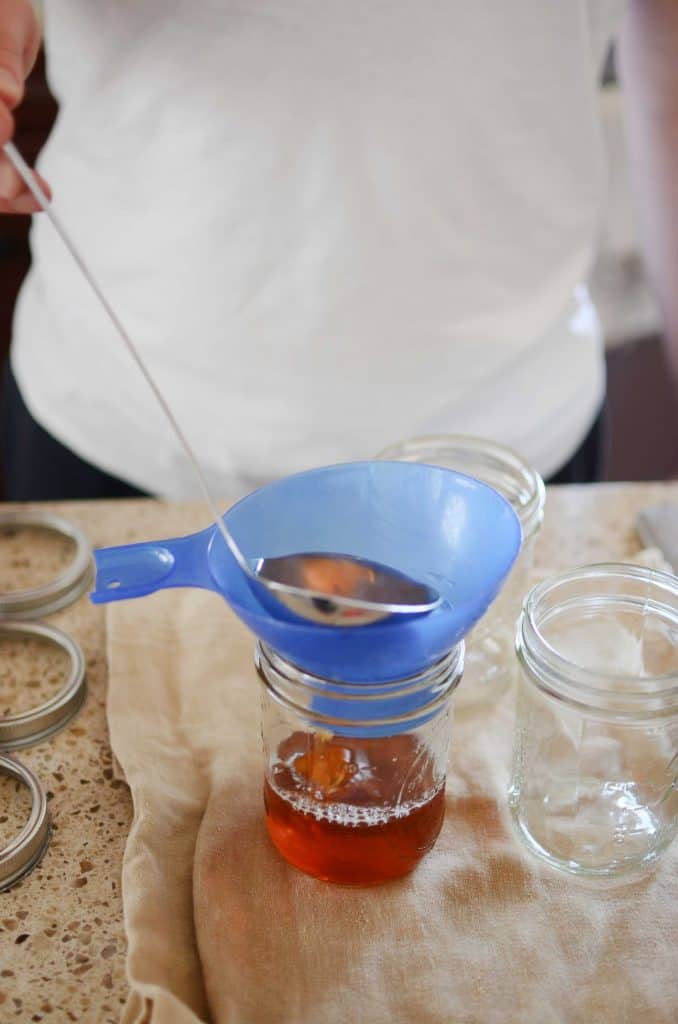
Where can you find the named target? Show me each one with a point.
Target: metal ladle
(335, 589)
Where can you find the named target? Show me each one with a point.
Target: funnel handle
(134, 570)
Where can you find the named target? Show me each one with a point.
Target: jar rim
(573, 680)
(451, 661)
(366, 709)
(528, 502)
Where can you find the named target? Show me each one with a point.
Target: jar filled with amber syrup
(354, 785)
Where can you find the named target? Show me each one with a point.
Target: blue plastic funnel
(434, 524)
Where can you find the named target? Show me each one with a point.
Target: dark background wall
(642, 420)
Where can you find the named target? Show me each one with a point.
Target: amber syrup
(357, 811)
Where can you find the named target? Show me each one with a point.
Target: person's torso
(325, 223)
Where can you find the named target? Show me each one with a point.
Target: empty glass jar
(594, 789)
(490, 663)
(354, 784)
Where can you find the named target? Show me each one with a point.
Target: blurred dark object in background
(642, 413)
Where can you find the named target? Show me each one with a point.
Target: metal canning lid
(64, 588)
(26, 849)
(27, 727)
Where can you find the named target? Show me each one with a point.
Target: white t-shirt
(328, 225)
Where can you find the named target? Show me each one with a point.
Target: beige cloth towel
(221, 929)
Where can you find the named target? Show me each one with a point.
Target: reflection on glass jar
(594, 789)
(355, 773)
(490, 664)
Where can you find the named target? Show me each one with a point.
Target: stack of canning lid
(19, 610)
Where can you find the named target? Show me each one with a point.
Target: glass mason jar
(354, 784)
(490, 664)
(594, 789)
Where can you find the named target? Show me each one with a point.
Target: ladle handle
(134, 570)
(33, 185)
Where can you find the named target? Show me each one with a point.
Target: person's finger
(19, 44)
(11, 184)
(6, 124)
(23, 205)
(32, 47)
(11, 86)
(24, 202)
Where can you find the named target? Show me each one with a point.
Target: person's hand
(19, 45)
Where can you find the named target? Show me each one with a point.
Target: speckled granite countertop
(62, 939)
